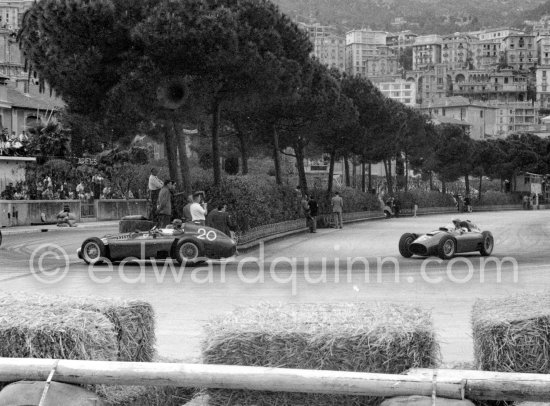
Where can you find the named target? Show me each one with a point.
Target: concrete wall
(29, 211)
(116, 209)
(26, 212)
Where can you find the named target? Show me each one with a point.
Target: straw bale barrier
(133, 321)
(145, 395)
(343, 337)
(512, 334)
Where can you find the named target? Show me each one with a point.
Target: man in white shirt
(155, 184)
(198, 209)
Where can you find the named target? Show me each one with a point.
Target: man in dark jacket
(220, 219)
(313, 211)
(164, 204)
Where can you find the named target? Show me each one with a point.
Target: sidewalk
(16, 230)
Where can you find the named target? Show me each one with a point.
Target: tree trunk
(183, 159)
(244, 153)
(389, 181)
(480, 185)
(171, 148)
(276, 155)
(406, 173)
(443, 187)
(370, 177)
(331, 172)
(216, 142)
(346, 170)
(431, 181)
(243, 147)
(363, 177)
(467, 183)
(299, 152)
(354, 173)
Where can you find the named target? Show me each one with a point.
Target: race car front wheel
(487, 244)
(93, 251)
(187, 252)
(404, 243)
(447, 247)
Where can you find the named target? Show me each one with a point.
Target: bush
(425, 199)
(255, 202)
(492, 198)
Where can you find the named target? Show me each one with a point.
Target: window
(443, 112)
(407, 100)
(480, 113)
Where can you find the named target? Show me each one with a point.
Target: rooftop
(449, 120)
(33, 100)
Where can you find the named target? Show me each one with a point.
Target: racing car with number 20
(460, 237)
(189, 244)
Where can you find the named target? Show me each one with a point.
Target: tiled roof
(34, 100)
(456, 101)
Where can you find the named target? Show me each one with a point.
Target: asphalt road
(359, 263)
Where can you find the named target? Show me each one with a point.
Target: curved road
(358, 263)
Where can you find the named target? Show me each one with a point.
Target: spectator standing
(220, 219)
(313, 212)
(396, 207)
(304, 204)
(337, 204)
(48, 193)
(187, 218)
(155, 184)
(198, 209)
(164, 204)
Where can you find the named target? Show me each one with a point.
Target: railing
(87, 210)
(452, 384)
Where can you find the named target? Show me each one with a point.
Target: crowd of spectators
(13, 145)
(46, 189)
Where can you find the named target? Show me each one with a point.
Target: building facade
(516, 117)
(426, 52)
(456, 51)
(520, 51)
(368, 55)
(480, 117)
(328, 47)
(402, 91)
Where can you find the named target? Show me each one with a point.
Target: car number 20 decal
(207, 235)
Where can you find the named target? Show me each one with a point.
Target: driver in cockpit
(461, 226)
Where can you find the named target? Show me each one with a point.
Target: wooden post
(487, 385)
(223, 377)
(452, 384)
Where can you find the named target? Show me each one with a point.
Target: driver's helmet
(177, 224)
(456, 222)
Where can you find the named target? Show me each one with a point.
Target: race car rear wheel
(487, 244)
(187, 252)
(447, 247)
(93, 251)
(404, 243)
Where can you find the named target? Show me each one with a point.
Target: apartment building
(516, 117)
(11, 13)
(486, 54)
(543, 70)
(328, 47)
(368, 55)
(426, 52)
(401, 40)
(520, 51)
(505, 85)
(480, 117)
(496, 34)
(401, 90)
(456, 50)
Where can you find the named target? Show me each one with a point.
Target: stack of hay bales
(38, 326)
(130, 325)
(512, 334)
(344, 337)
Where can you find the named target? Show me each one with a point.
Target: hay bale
(61, 333)
(133, 320)
(512, 334)
(343, 337)
(145, 395)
